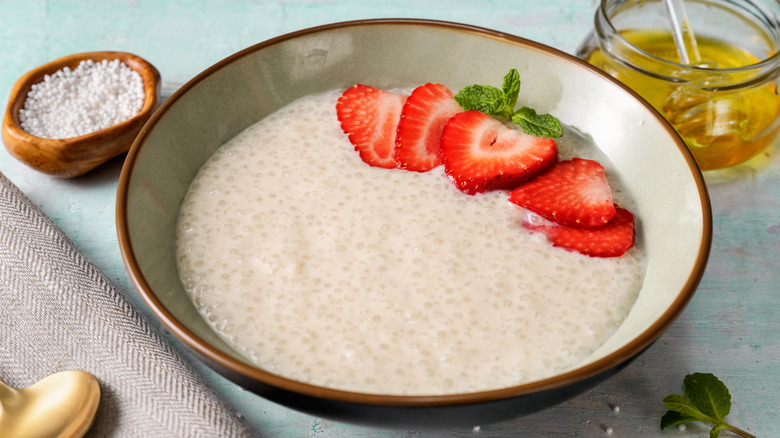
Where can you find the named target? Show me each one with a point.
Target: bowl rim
(150, 77)
(581, 373)
(14, 134)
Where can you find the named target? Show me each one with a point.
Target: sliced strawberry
(574, 193)
(610, 240)
(480, 153)
(369, 116)
(424, 115)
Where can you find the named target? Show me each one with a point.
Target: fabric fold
(58, 312)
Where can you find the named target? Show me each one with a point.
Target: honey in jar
(725, 105)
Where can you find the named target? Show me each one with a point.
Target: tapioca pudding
(320, 268)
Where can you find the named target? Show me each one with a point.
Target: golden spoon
(61, 405)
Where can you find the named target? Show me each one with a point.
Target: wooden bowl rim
(149, 75)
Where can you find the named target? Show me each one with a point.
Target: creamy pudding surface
(320, 268)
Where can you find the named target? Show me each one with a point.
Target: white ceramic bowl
(674, 218)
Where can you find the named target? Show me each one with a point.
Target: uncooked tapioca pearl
(94, 96)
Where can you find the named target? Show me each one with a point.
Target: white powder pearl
(94, 96)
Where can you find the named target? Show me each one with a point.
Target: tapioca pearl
(70, 103)
(436, 216)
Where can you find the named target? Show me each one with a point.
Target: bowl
(72, 157)
(651, 160)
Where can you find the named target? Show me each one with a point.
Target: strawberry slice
(424, 115)
(610, 240)
(480, 153)
(369, 116)
(573, 193)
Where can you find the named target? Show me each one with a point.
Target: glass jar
(724, 105)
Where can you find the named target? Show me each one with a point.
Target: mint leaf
(540, 125)
(706, 399)
(709, 394)
(504, 109)
(681, 405)
(501, 103)
(485, 98)
(716, 430)
(511, 87)
(673, 418)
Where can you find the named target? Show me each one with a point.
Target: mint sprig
(706, 399)
(502, 102)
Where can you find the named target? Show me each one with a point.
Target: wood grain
(71, 157)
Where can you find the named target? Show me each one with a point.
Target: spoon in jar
(61, 405)
(682, 32)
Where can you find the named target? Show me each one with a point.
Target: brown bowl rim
(579, 374)
(12, 126)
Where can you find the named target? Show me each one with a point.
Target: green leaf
(488, 99)
(716, 430)
(708, 394)
(501, 103)
(511, 87)
(506, 109)
(673, 418)
(540, 125)
(706, 399)
(678, 403)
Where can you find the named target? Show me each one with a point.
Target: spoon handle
(687, 48)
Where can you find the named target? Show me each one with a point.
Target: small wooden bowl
(72, 157)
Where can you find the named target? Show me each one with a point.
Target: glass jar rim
(772, 60)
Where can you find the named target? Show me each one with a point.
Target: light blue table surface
(731, 328)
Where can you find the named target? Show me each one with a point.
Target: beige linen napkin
(59, 312)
